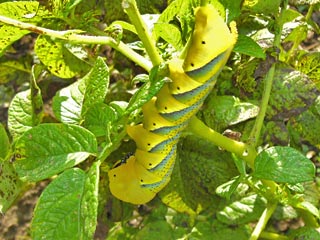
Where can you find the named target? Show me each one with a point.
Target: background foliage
(71, 81)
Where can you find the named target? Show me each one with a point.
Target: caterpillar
(139, 177)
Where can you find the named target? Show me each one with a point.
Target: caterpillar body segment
(138, 178)
(148, 141)
(127, 178)
(166, 103)
(183, 115)
(182, 83)
(152, 120)
(211, 37)
(196, 95)
(151, 160)
(212, 68)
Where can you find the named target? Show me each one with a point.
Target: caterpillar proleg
(140, 177)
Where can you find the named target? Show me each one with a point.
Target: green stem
(241, 149)
(72, 36)
(255, 133)
(203, 2)
(279, 28)
(244, 151)
(309, 13)
(267, 213)
(132, 10)
(273, 236)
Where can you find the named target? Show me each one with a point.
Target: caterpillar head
(126, 182)
(211, 37)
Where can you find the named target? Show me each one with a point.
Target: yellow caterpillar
(139, 177)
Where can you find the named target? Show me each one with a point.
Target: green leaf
(58, 58)
(305, 233)
(25, 109)
(10, 186)
(262, 6)
(178, 10)
(288, 15)
(159, 228)
(170, 33)
(309, 207)
(58, 211)
(207, 231)
(63, 9)
(71, 103)
(227, 189)
(245, 210)
(98, 118)
(89, 203)
(223, 111)
(283, 164)
(20, 114)
(22, 10)
(4, 143)
(300, 130)
(298, 34)
(9, 35)
(25, 11)
(67, 103)
(199, 169)
(309, 64)
(233, 7)
(48, 149)
(97, 83)
(157, 79)
(11, 68)
(292, 93)
(248, 46)
(171, 11)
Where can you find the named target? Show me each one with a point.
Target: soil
(15, 224)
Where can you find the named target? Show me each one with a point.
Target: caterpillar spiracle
(139, 177)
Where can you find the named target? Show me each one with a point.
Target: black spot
(149, 144)
(192, 64)
(141, 180)
(154, 124)
(178, 88)
(150, 164)
(114, 175)
(165, 108)
(203, 42)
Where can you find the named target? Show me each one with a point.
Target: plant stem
(72, 36)
(255, 133)
(267, 213)
(309, 13)
(203, 2)
(241, 149)
(273, 236)
(130, 6)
